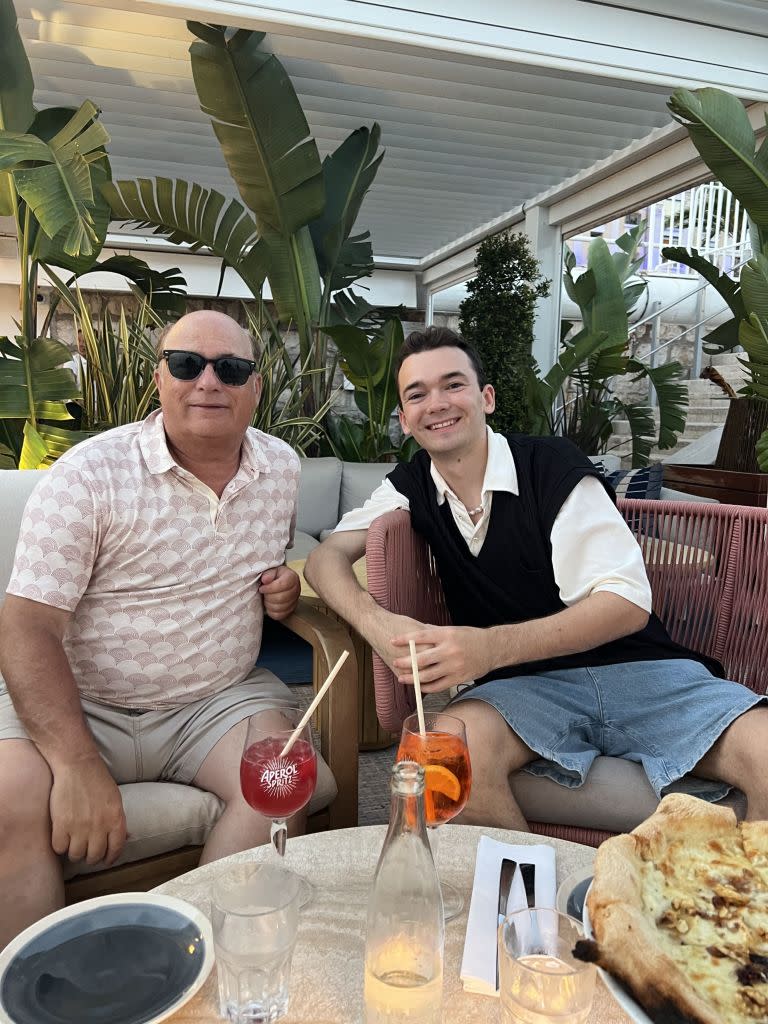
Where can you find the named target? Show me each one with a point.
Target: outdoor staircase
(707, 409)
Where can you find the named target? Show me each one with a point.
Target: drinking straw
(311, 709)
(417, 688)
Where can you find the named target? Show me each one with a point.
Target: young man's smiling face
(442, 403)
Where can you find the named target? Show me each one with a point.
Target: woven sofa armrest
(336, 718)
(402, 578)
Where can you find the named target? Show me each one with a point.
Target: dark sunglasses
(231, 370)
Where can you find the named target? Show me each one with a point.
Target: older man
(146, 559)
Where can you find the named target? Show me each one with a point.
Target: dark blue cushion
(635, 483)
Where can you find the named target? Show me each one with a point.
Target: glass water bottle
(404, 940)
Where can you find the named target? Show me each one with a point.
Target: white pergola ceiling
(474, 124)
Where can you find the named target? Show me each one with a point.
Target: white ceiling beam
(566, 35)
(633, 179)
(654, 168)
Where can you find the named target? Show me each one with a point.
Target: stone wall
(98, 303)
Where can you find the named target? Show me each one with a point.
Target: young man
(147, 557)
(549, 600)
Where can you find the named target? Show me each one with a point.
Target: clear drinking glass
(447, 779)
(277, 785)
(540, 980)
(255, 914)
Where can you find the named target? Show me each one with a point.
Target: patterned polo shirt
(161, 576)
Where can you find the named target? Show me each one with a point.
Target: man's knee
(489, 738)
(25, 789)
(739, 755)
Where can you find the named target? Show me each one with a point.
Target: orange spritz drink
(442, 750)
(447, 773)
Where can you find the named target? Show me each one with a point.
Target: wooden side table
(370, 734)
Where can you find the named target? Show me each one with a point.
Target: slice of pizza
(679, 912)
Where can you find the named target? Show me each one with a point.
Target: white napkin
(478, 965)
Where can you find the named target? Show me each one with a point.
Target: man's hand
(87, 813)
(388, 626)
(280, 589)
(448, 655)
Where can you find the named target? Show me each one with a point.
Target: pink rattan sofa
(708, 567)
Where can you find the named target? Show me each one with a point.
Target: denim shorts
(665, 715)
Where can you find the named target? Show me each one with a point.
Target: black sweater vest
(511, 579)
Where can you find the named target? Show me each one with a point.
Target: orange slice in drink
(441, 780)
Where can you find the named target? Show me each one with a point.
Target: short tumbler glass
(540, 980)
(255, 912)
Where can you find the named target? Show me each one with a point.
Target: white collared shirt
(593, 549)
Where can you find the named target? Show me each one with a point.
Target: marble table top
(327, 973)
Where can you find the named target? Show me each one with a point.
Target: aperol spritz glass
(279, 785)
(447, 779)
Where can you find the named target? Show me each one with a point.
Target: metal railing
(707, 218)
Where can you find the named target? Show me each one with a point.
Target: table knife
(506, 874)
(528, 871)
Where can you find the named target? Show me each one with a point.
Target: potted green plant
(719, 128)
(576, 396)
(294, 224)
(52, 166)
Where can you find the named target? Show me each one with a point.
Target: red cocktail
(275, 786)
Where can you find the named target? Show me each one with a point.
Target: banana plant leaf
(725, 286)
(609, 361)
(16, 89)
(46, 125)
(57, 187)
(43, 446)
(577, 351)
(165, 290)
(260, 125)
(42, 363)
(753, 334)
(721, 132)
(627, 261)
(348, 173)
(668, 382)
(607, 310)
(761, 450)
(367, 363)
(351, 308)
(754, 286)
(642, 428)
(185, 212)
(271, 155)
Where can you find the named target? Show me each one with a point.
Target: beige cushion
(16, 485)
(359, 480)
(164, 816)
(318, 495)
(616, 797)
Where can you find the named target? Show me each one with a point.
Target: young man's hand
(280, 588)
(386, 627)
(448, 655)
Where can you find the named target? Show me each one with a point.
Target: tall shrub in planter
(498, 318)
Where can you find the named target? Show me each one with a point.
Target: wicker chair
(708, 568)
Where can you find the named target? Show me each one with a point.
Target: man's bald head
(205, 323)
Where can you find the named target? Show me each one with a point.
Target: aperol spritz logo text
(279, 776)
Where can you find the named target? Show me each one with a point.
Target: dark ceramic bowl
(133, 958)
